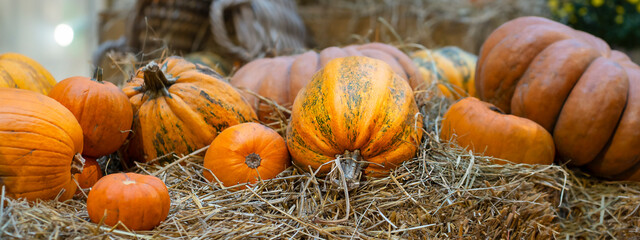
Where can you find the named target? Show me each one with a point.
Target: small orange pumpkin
(91, 173)
(40, 146)
(19, 71)
(245, 153)
(483, 128)
(140, 202)
(102, 109)
(356, 108)
(180, 107)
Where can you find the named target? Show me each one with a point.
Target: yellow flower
(567, 7)
(619, 9)
(619, 19)
(638, 8)
(582, 11)
(633, 1)
(553, 4)
(597, 3)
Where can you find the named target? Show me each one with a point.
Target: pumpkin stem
(97, 74)
(77, 164)
(351, 165)
(253, 160)
(496, 109)
(154, 79)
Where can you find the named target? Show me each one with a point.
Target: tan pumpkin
(572, 84)
(280, 79)
(19, 71)
(180, 107)
(451, 68)
(102, 109)
(40, 146)
(355, 108)
(483, 128)
(246, 153)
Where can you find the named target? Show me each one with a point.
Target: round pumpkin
(179, 107)
(211, 60)
(245, 153)
(91, 173)
(19, 71)
(101, 108)
(355, 108)
(40, 146)
(451, 68)
(280, 79)
(483, 128)
(572, 84)
(140, 202)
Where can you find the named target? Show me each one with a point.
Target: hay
(444, 192)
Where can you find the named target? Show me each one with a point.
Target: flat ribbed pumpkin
(179, 107)
(281, 78)
(483, 128)
(19, 71)
(572, 84)
(102, 109)
(451, 68)
(245, 153)
(355, 108)
(40, 146)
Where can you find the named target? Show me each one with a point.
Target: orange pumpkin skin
(139, 201)
(19, 71)
(354, 103)
(451, 68)
(281, 78)
(40, 140)
(89, 100)
(180, 107)
(483, 128)
(245, 153)
(91, 173)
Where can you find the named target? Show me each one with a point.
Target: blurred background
(64, 35)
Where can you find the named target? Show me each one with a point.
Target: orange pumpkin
(19, 71)
(245, 153)
(483, 128)
(281, 78)
(355, 108)
(140, 202)
(451, 68)
(102, 109)
(180, 107)
(573, 85)
(40, 146)
(91, 173)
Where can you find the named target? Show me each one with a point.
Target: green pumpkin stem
(154, 79)
(97, 75)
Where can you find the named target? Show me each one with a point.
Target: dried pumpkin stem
(352, 165)
(97, 75)
(253, 160)
(154, 79)
(77, 164)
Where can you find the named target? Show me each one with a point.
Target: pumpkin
(211, 60)
(483, 128)
(19, 71)
(355, 109)
(40, 146)
(91, 173)
(101, 108)
(139, 202)
(281, 78)
(245, 153)
(180, 107)
(451, 68)
(572, 84)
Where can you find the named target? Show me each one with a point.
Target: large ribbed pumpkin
(483, 128)
(19, 71)
(179, 107)
(40, 146)
(572, 84)
(281, 78)
(102, 109)
(355, 108)
(451, 68)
